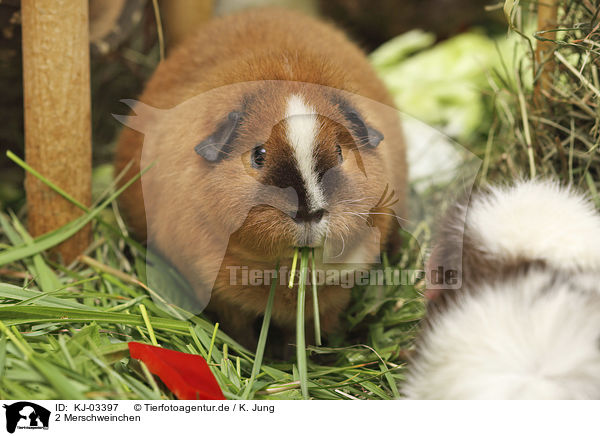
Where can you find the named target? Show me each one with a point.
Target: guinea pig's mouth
(311, 234)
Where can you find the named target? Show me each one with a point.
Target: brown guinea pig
(267, 130)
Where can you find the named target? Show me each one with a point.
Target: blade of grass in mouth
(293, 270)
(300, 333)
(317, 319)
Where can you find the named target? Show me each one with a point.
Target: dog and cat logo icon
(26, 415)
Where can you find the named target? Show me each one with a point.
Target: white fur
(537, 220)
(302, 128)
(530, 337)
(311, 234)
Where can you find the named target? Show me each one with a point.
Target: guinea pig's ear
(214, 148)
(366, 134)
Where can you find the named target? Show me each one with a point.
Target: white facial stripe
(302, 128)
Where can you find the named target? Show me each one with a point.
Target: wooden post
(546, 19)
(56, 80)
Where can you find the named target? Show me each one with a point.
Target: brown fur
(191, 202)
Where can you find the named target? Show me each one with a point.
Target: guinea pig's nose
(305, 216)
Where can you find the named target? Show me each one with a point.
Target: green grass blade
(148, 324)
(64, 387)
(293, 270)
(13, 315)
(317, 317)
(16, 293)
(3, 343)
(300, 333)
(390, 379)
(55, 237)
(262, 339)
(43, 179)
(42, 274)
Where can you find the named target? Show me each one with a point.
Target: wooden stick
(56, 80)
(547, 19)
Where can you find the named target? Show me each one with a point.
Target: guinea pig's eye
(258, 156)
(338, 150)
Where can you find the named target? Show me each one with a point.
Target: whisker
(392, 203)
(343, 247)
(355, 201)
(356, 214)
(382, 213)
(383, 195)
(390, 197)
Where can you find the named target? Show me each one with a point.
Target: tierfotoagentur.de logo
(24, 415)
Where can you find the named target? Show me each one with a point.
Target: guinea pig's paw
(536, 221)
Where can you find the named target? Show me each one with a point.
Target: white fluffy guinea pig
(268, 130)
(526, 322)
